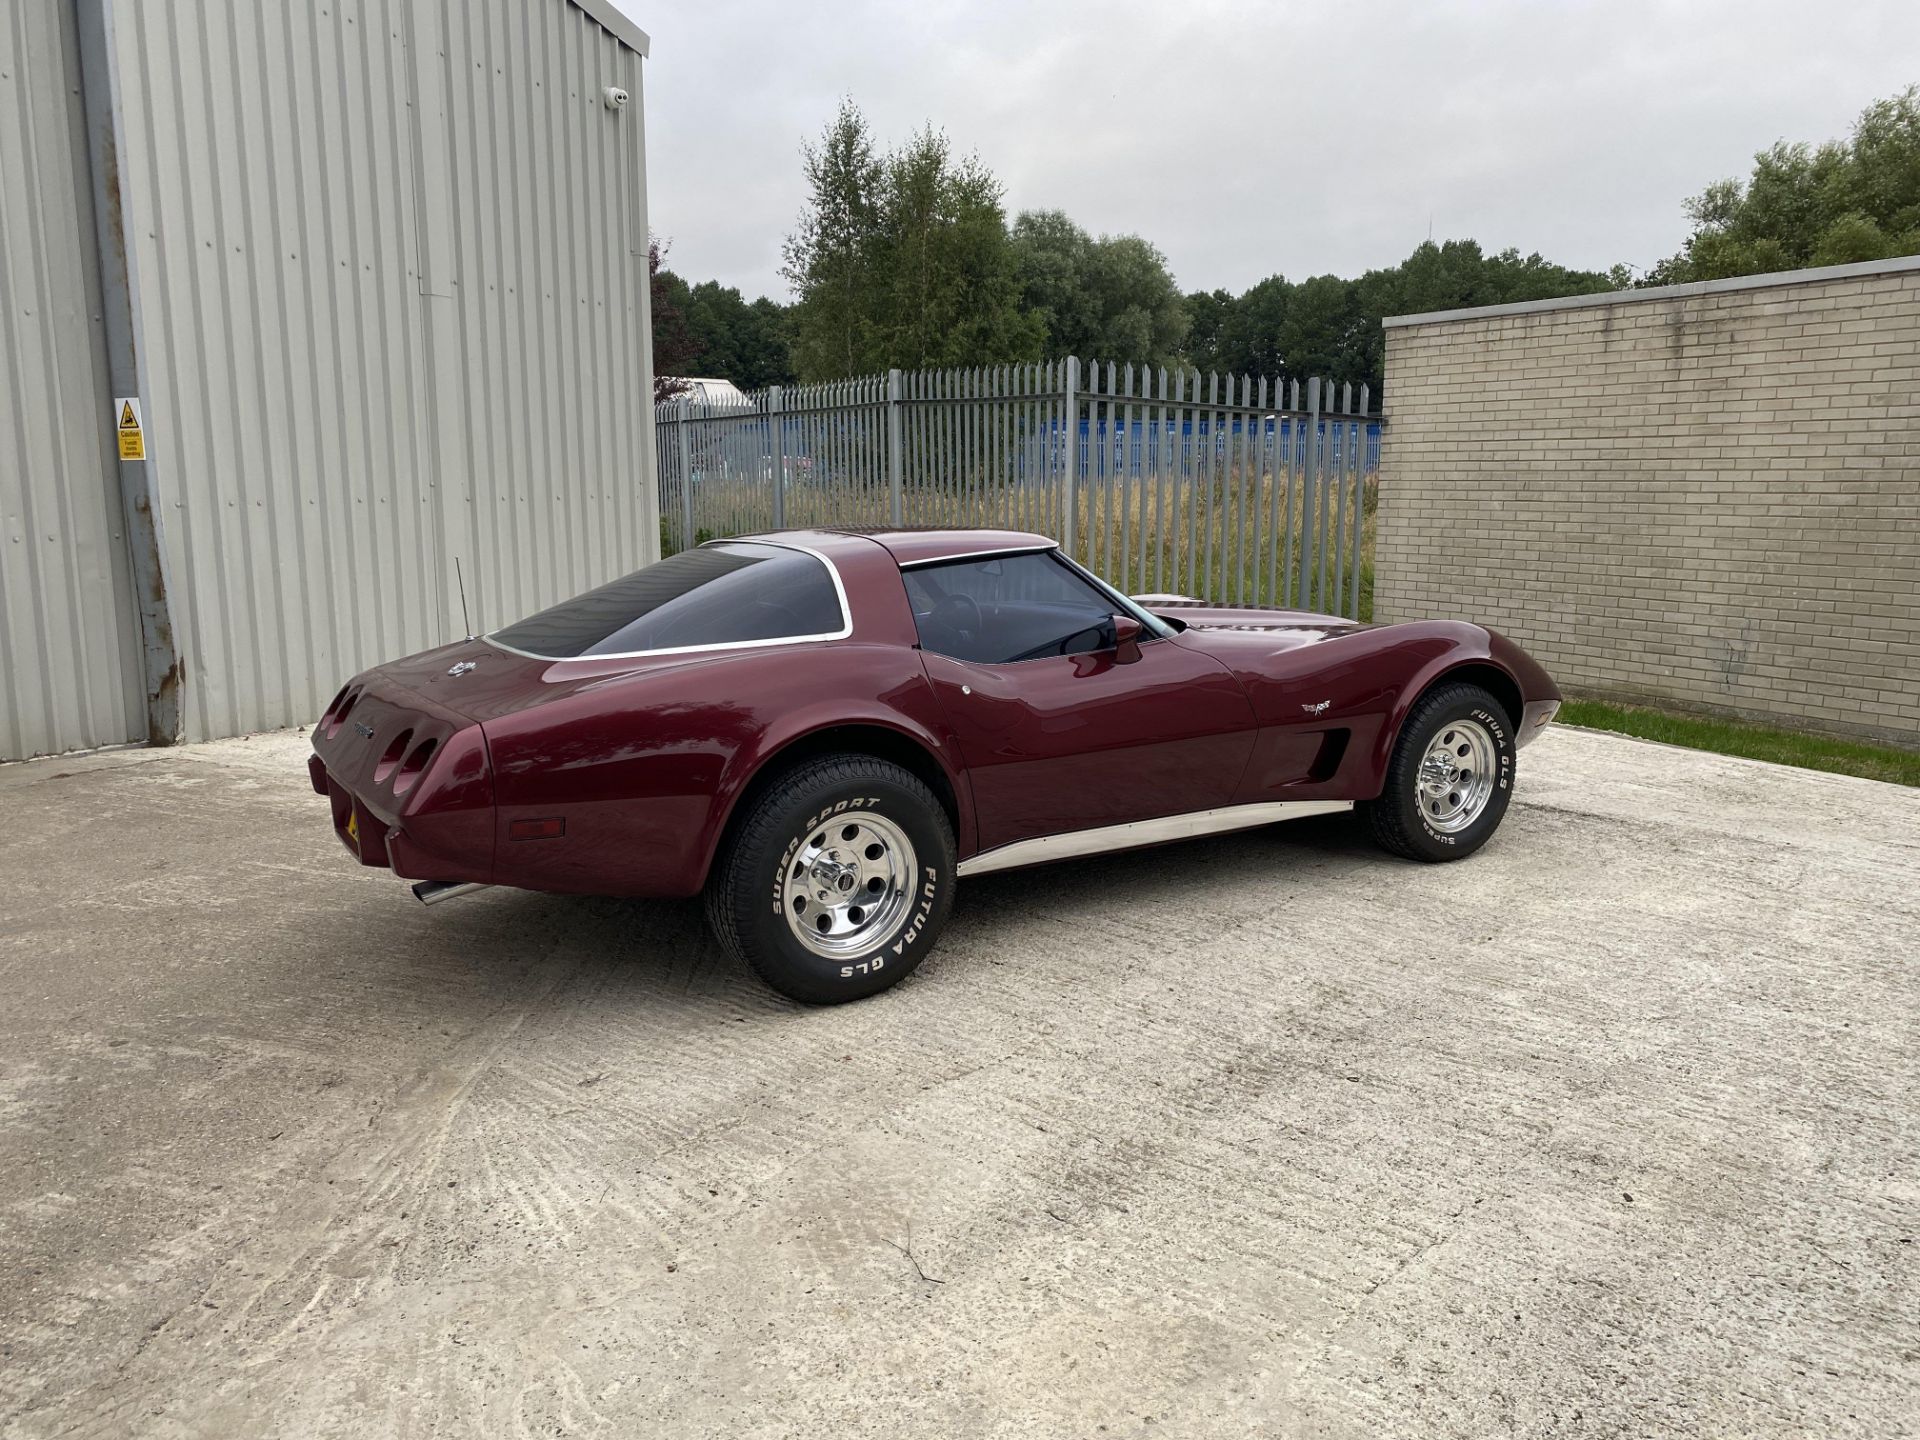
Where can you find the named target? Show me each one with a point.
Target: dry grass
(1227, 540)
(1239, 544)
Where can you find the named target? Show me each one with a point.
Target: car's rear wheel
(1449, 778)
(836, 881)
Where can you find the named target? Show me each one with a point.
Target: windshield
(728, 593)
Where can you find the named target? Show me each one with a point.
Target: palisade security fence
(1229, 488)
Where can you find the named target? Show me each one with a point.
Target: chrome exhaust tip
(432, 892)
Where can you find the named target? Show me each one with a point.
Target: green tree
(1251, 337)
(1458, 274)
(1326, 332)
(1329, 326)
(730, 337)
(672, 346)
(1109, 299)
(1209, 312)
(950, 295)
(901, 259)
(830, 256)
(1846, 200)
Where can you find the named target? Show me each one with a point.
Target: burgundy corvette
(824, 730)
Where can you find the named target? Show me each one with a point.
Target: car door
(1060, 730)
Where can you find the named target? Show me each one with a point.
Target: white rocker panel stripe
(1075, 843)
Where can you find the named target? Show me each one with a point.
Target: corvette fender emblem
(1319, 709)
(366, 731)
(463, 667)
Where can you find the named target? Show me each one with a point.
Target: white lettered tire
(1449, 778)
(837, 881)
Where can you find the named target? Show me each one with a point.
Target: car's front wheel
(1449, 778)
(837, 879)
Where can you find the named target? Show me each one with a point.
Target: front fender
(1450, 645)
(1461, 646)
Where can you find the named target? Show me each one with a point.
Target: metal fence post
(1308, 527)
(896, 510)
(686, 476)
(1359, 505)
(777, 450)
(976, 434)
(1070, 476)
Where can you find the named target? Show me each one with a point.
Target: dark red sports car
(824, 730)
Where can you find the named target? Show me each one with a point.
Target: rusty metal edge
(162, 665)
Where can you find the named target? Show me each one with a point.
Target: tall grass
(1233, 541)
(1236, 538)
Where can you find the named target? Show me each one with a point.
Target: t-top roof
(922, 547)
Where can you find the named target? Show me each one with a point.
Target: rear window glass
(731, 593)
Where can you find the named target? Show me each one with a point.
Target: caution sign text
(127, 428)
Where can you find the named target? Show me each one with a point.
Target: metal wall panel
(552, 354)
(391, 264)
(69, 661)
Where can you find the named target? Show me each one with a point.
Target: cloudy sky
(1250, 138)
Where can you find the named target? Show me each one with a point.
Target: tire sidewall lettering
(1502, 746)
(1498, 727)
(895, 947)
(904, 940)
(774, 832)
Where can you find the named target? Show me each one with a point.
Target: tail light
(390, 760)
(336, 713)
(413, 765)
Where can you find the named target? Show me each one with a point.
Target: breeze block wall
(1705, 497)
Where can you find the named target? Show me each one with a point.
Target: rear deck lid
(380, 733)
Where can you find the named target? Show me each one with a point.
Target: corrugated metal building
(374, 274)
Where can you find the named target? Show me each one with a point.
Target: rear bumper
(354, 823)
(435, 822)
(385, 843)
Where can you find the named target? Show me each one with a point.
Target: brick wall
(1706, 497)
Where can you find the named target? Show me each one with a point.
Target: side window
(729, 593)
(1007, 608)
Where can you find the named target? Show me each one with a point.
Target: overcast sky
(1247, 139)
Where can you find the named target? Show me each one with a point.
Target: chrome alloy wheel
(849, 884)
(1456, 778)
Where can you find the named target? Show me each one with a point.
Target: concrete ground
(1611, 1130)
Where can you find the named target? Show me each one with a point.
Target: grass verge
(1755, 742)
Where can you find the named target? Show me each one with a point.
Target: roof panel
(610, 18)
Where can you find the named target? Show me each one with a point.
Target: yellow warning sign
(133, 439)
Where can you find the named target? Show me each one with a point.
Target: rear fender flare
(776, 742)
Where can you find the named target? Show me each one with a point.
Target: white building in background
(697, 390)
(298, 344)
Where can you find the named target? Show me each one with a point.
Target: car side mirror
(1126, 639)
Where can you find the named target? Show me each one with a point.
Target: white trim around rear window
(833, 573)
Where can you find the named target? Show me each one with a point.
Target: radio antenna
(461, 580)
